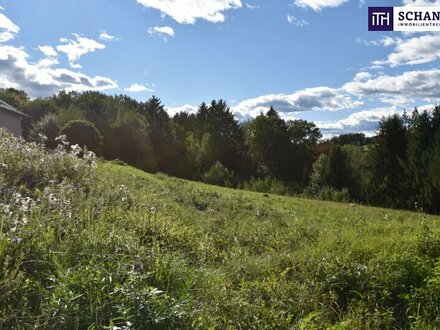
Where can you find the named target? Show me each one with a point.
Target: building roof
(7, 107)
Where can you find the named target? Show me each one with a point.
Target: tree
(303, 137)
(226, 138)
(434, 175)
(357, 139)
(269, 143)
(388, 158)
(320, 174)
(159, 132)
(36, 110)
(14, 97)
(130, 142)
(219, 175)
(83, 133)
(303, 132)
(340, 173)
(332, 170)
(49, 127)
(420, 142)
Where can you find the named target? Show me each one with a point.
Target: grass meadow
(99, 245)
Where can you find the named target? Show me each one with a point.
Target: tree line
(397, 168)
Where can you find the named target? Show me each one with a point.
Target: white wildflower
(76, 149)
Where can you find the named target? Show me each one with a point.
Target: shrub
(267, 185)
(327, 193)
(219, 175)
(32, 179)
(84, 134)
(47, 127)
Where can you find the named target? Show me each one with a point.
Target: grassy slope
(177, 254)
(250, 259)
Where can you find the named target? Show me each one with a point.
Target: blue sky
(310, 59)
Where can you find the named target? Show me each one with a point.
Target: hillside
(113, 247)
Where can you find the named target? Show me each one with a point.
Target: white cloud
(137, 88)
(385, 41)
(51, 58)
(190, 109)
(362, 76)
(364, 121)
(107, 37)
(318, 5)
(416, 50)
(310, 99)
(422, 85)
(16, 71)
(297, 21)
(252, 7)
(421, 3)
(8, 29)
(162, 31)
(75, 48)
(48, 62)
(49, 51)
(189, 11)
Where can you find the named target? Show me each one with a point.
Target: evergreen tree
(159, 132)
(388, 159)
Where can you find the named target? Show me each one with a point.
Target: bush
(48, 129)
(267, 185)
(32, 179)
(220, 176)
(84, 134)
(327, 193)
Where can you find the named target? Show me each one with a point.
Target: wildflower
(62, 139)
(76, 149)
(90, 157)
(42, 138)
(6, 209)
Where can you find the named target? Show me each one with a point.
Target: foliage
(398, 168)
(388, 157)
(84, 134)
(114, 247)
(47, 129)
(129, 141)
(220, 176)
(267, 185)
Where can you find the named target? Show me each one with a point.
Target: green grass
(150, 251)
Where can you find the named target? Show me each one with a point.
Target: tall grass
(104, 246)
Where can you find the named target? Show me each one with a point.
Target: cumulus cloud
(77, 47)
(51, 57)
(310, 99)
(8, 29)
(49, 51)
(318, 5)
(417, 50)
(422, 85)
(189, 11)
(297, 21)
(138, 88)
(364, 121)
(163, 31)
(190, 109)
(16, 71)
(362, 76)
(107, 37)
